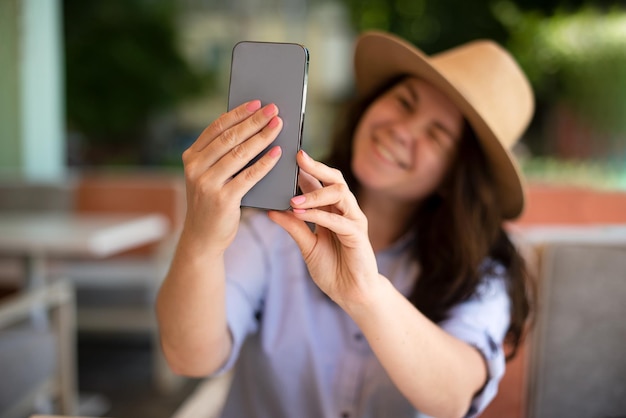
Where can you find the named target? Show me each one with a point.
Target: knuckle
(251, 174)
(242, 113)
(217, 125)
(229, 138)
(186, 156)
(259, 119)
(265, 134)
(341, 188)
(239, 152)
(336, 174)
(312, 197)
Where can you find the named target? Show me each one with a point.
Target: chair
(37, 358)
(578, 367)
(207, 399)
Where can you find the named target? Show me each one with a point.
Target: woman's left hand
(338, 253)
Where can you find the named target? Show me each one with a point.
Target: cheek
(428, 177)
(359, 147)
(361, 167)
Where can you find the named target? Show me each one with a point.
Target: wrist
(368, 298)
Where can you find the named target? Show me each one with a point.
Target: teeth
(386, 154)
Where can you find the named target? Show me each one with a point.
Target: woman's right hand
(215, 185)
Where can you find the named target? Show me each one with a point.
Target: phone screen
(274, 73)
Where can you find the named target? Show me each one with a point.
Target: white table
(39, 236)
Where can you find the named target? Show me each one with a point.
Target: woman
(403, 295)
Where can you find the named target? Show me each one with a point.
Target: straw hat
(480, 77)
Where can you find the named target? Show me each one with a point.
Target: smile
(388, 156)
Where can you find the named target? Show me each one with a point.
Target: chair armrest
(18, 307)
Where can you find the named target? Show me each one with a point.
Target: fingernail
(305, 155)
(275, 152)
(253, 106)
(297, 200)
(270, 109)
(274, 122)
(296, 210)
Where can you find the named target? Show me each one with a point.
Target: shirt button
(345, 415)
(358, 336)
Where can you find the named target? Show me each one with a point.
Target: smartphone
(273, 73)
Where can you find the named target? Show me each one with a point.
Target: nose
(408, 132)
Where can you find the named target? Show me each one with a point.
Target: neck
(387, 218)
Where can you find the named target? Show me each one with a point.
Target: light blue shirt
(298, 354)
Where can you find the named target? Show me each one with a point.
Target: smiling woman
(402, 296)
(406, 141)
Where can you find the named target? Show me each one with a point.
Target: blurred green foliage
(579, 58)
(593, 174)
(122, 67)
(435, 25)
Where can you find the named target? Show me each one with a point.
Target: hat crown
(490, 79)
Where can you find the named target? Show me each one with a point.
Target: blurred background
(116, 90)
(132, 83)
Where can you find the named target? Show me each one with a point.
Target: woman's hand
(215, 185)
(338, 253)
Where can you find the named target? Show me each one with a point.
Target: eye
(405, 102)
(435, 136)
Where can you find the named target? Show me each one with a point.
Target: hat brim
(380, 57)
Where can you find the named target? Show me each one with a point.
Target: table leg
(35, 277)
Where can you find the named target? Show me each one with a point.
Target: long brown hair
(459, 227)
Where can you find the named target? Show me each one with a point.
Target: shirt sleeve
(246, 265)
(482, 322)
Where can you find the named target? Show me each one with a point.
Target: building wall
(32, 112)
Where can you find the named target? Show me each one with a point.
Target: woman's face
(406, 141)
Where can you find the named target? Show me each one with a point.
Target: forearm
(437, 373)
(191, 312)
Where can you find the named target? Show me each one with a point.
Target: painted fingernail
(270, 109)
(296, 210)
(274, 122)
(297, 200)
(275, 152)
(253, 106)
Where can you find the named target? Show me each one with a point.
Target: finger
(231, 140)
(336, 195)
(334, 222)
(237, 158)
(238, 134)
(307, 182)
(297, 229)
(320, 171)
(224, 122)
(246, 179)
